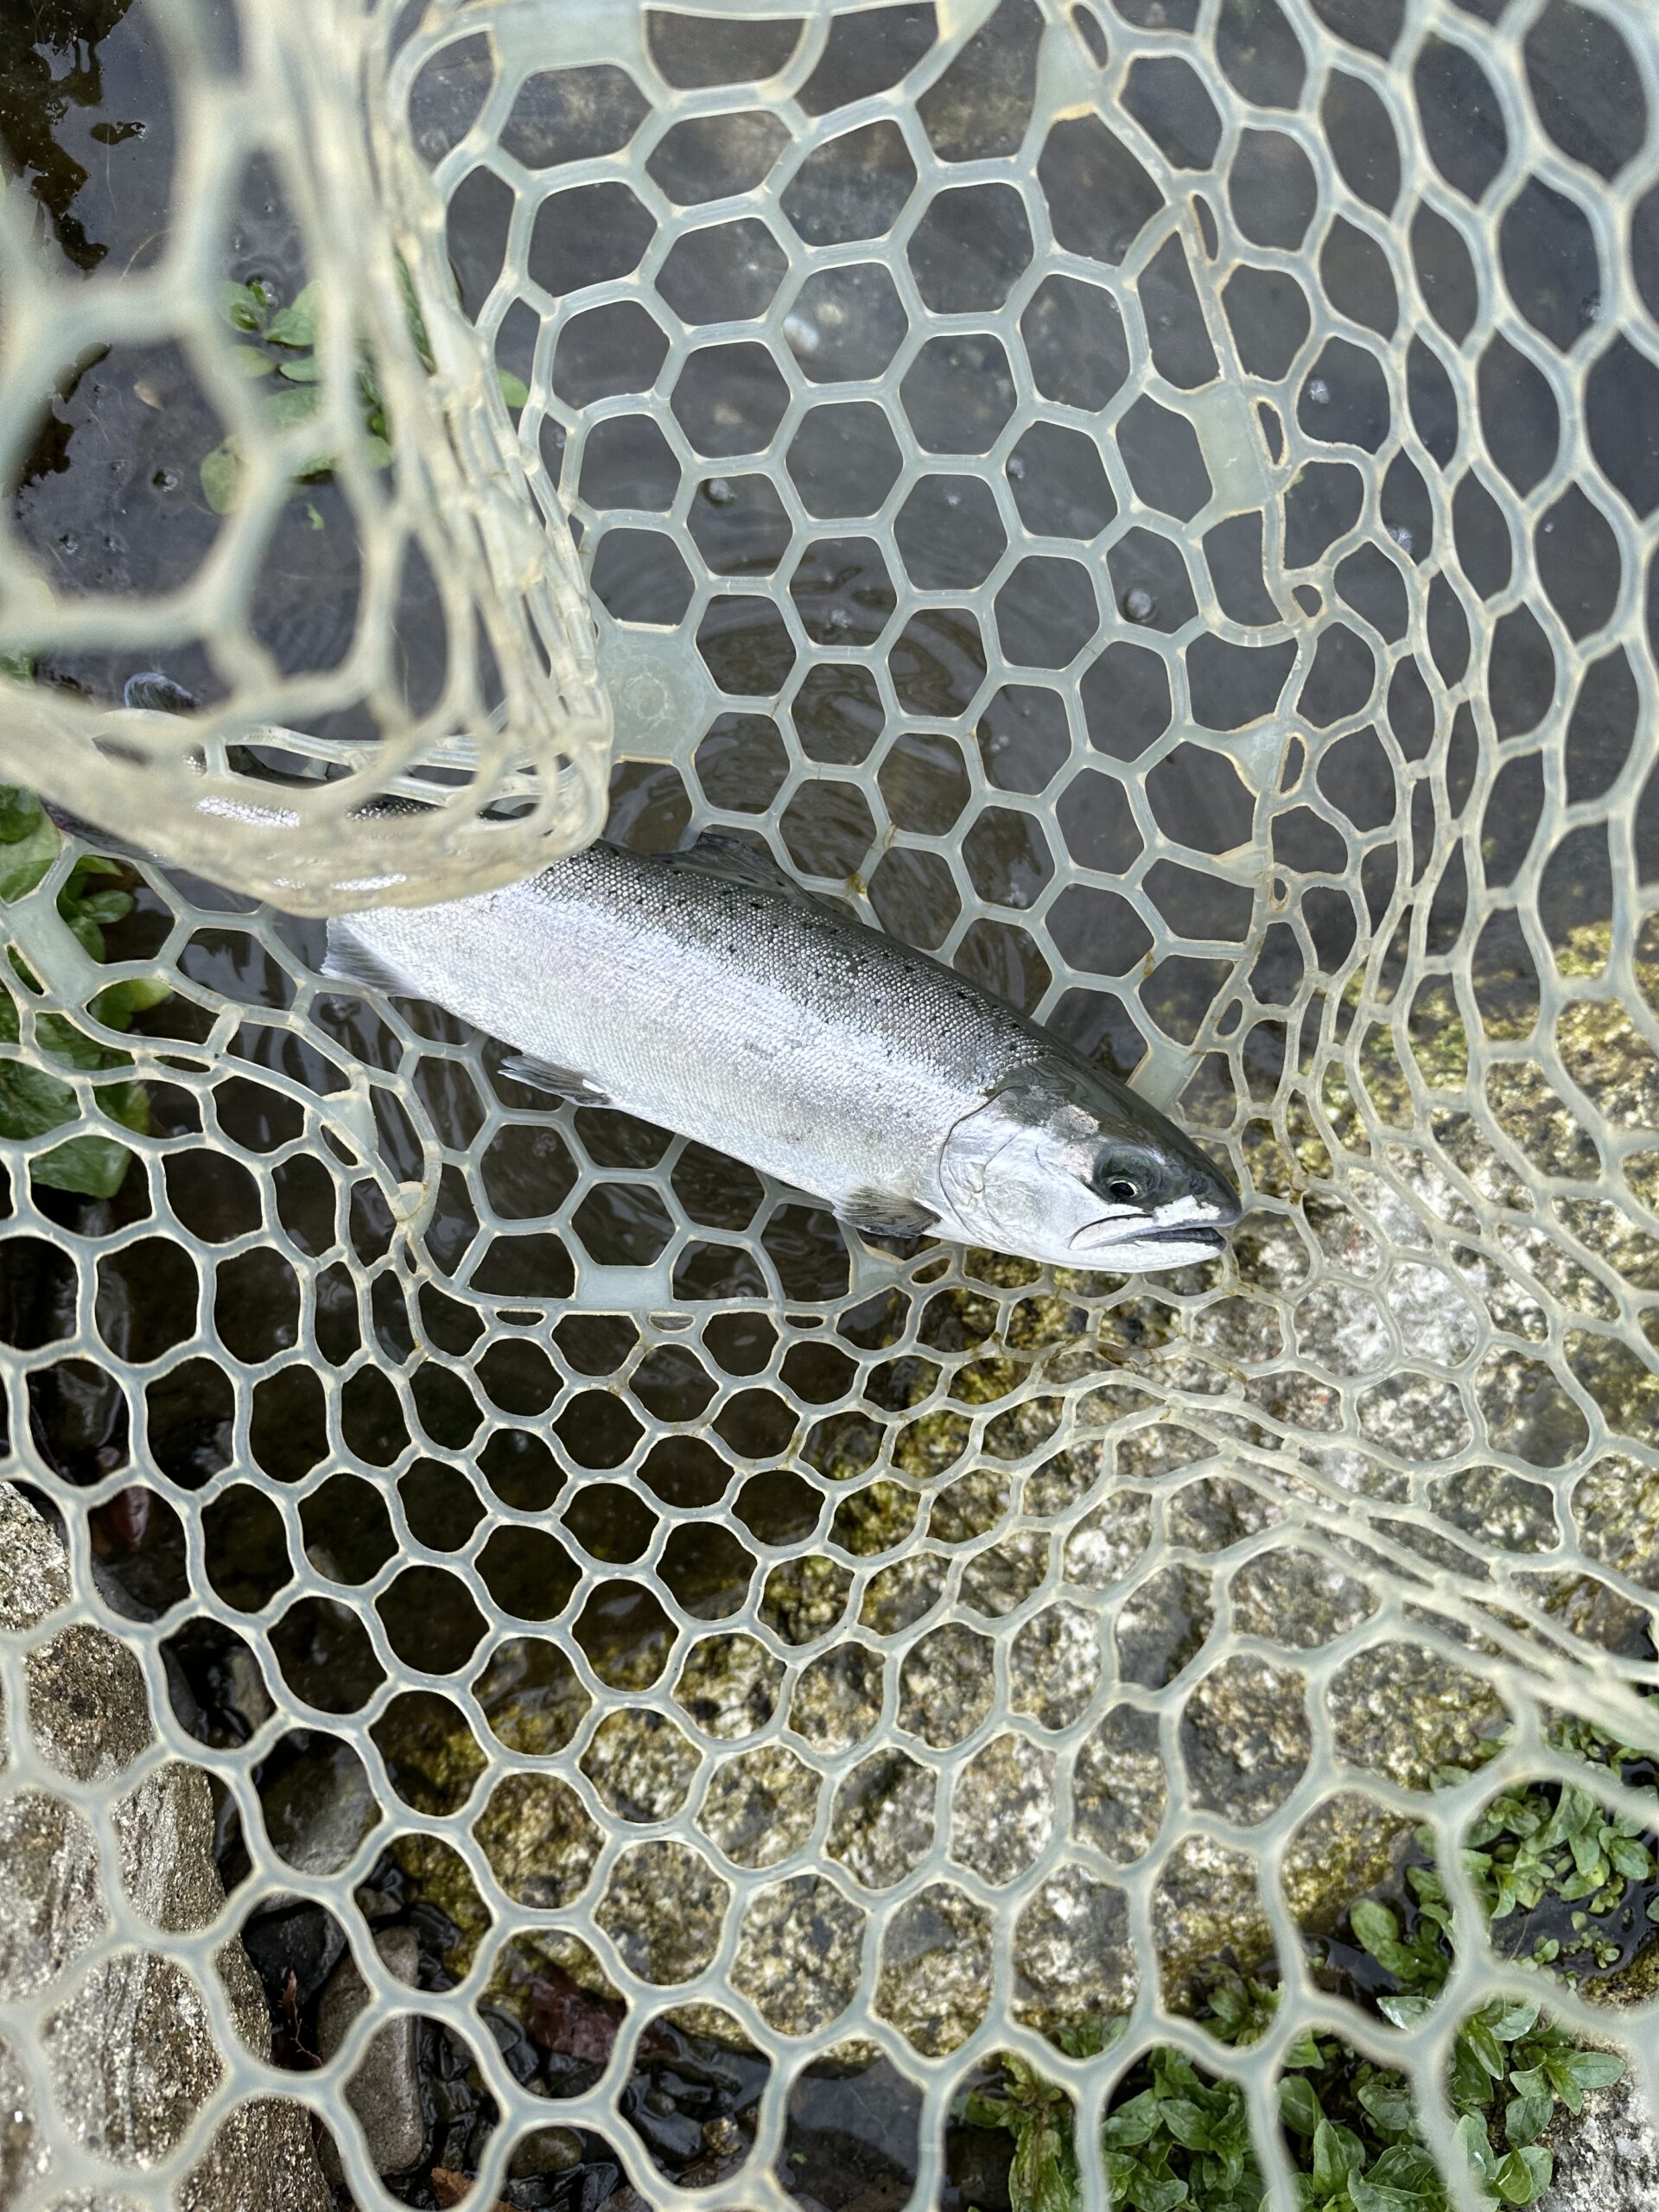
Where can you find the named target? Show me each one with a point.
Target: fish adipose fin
(875, 1213)
(734, 860)
(347, 961)
(561, 1083)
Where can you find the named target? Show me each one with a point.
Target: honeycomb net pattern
(261, 149)
(1154, 506)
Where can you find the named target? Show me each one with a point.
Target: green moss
(529, 1965)
(1610, 1061)
(805, 1598)
(1001, 1270)
(982, 1381)
(875, 1519)
(1619, 1380)
(1044, 1321)
(1351, 1846)
(1585, 951)
(433, 1761)
(1633, 1983)
(925, 1447)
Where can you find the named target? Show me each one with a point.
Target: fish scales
(707, 993)
(686, 998)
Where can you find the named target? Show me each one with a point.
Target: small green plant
(1509, 2068)
(282, 343)
(1182, 2141)
(31, 1100)
(1036, 2113)
(1536, 1843)
(1178, 2139)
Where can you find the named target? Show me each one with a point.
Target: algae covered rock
(126, 2041)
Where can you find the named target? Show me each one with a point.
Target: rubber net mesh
(1152, 504)
(258, 114)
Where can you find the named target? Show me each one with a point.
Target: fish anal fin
(880, 1213)
(560, 1082)
(349, 962)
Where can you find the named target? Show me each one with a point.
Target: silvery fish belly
(705, 992)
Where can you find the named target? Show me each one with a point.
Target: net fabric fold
(506, 735)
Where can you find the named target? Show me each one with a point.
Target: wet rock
(87, 1710)
(801, 1953)
(546, 2151)
(538, 1838)
(318, 1807)
(296, 1938)
(946, 1685)
(663, 1908)
(125, 2039)
(853, 2134)
(729, 1685)
(131, 2058)
(52, 1907)
(34, 1578)
(1401, 1710)
(641, 1765)
(1002, 1807)
(1607, 2159)
(24, 2157)
(1074, 1957)
(385, 2088)
(1207, 1904)
(936, 1968)
(759, 1807)
(259, 2160)
(837, 1698)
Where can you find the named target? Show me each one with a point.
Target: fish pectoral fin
(877, 1213)
(545, 1075)
(347, 961)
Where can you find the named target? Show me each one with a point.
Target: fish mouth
(1186, 1233)
(1097, 1236)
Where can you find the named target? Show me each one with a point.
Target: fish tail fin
(100, 841)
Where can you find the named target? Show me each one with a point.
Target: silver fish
(706, 992)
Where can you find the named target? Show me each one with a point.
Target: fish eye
(1122, 1176)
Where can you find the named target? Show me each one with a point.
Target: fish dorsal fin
(734, 860)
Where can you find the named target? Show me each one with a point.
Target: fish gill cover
(1153, 504)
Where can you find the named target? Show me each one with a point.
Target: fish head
(1066, 1166)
